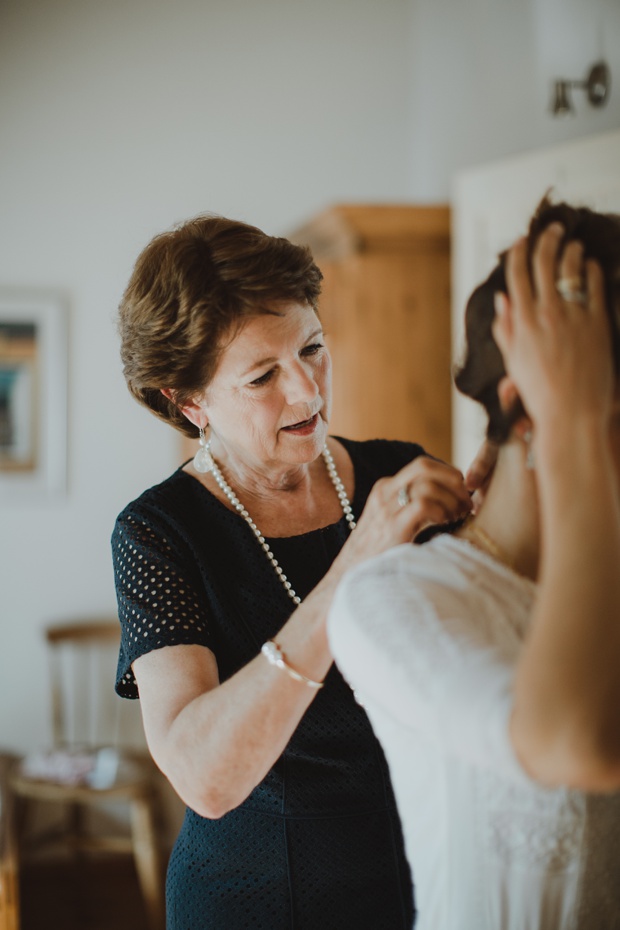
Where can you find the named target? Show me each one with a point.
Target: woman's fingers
(545, 261)
(433, 504)
(571, 264)
(479, 472)
(518, 278)
(570, 284)
(597, 309)
(595, 287)
(424, 492)
(429, 492)
(425, 468)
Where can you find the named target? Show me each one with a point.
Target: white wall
(116, 120)
(482, 74)
(119, 118)
(491, 205)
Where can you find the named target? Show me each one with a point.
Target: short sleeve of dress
(158, 594)
(401, 635)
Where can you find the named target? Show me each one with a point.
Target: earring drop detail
(530, 461)
(203, 461)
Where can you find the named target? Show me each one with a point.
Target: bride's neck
(507, 525)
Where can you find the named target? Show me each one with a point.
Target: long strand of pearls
(206, 461)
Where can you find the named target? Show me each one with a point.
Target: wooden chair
(9, 896)
(89, 738)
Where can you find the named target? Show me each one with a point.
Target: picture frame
(33, 394)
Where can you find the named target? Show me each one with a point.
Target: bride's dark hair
(483, 366)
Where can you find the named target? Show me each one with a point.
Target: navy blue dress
(317, 845)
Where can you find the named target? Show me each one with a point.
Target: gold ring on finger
(572, 290)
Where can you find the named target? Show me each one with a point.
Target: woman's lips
(304, 427)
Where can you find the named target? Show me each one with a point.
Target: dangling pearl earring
(530, 461)
(203, 461)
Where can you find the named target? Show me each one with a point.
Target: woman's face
(269, 402)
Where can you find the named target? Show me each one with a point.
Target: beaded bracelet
(275, 656)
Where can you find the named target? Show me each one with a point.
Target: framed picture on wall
(33, 394)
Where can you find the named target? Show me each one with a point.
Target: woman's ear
(192, 410)
(508, 396)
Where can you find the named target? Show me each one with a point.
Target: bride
(488, 659)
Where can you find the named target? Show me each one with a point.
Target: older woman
(489, 658)
(225, 572)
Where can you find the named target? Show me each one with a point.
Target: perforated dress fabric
(318, 844)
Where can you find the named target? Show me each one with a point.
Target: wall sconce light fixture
(596, 86)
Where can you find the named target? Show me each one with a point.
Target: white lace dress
(428, 637)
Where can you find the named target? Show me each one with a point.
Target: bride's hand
(553, 332)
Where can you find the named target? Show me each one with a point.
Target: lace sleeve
(158, 595)
(407, 637)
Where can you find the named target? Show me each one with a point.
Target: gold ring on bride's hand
(572, 290)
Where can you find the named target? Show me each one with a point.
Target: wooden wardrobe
(386, 310)
(385, 307)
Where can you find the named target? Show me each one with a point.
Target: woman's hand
(556, 347)
(425, 492)
(480, 472)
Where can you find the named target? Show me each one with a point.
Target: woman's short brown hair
(483, 368)
(190, 290)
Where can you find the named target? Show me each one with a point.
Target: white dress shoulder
(428, 637)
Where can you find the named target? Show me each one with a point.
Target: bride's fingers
(595, 288)
(502, 324)
(571, 262)
(518, 280)
(545, 266)
(571, 285)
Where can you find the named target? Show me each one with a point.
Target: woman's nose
(301, 385)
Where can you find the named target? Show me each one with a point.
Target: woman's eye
(263, 379)
(312, 349)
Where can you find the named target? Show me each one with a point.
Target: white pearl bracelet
(275, 656)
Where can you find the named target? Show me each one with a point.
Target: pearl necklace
(204, 462)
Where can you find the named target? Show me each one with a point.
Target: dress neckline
(462, 544)
(320, 529)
